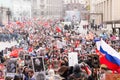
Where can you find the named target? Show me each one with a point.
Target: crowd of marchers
(42, 53)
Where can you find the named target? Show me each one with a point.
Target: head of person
(40, 76)
(37, 62)
(8, 78)
(76, 68)
(17, 77)
(30, 73)
(103, 68)
(25, 70)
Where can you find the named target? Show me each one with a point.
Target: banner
(73, 58)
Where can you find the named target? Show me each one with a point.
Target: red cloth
(46, 24)
(30, 49)
(89, 72)
(15, 53)
(103, 60)
(20, 24)
(110, 65)
(58, 29)
(113, 38)
(77, 43)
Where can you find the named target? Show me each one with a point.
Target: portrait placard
(11, 65)
(38, 64)
(27, 57)
(27, 60)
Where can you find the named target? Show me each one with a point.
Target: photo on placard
(11, 66)
(27, 59)
(38, 64)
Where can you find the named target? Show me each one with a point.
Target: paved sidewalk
(98, 32)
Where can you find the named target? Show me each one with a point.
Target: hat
(103, 66)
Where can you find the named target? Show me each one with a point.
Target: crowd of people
(43, 50)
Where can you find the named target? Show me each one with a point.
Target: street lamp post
(8, 14)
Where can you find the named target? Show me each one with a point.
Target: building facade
(54, 9)
(4, 11)
(109, 8)
(21, 10)
(71, 5)
(47, 9)
(4, 15)
(38, 8)
(17, 9)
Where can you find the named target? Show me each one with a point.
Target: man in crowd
(31, 75)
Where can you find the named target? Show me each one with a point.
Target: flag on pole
(110, 58)
(58, 29)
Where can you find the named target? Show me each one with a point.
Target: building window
(42, 6)
(42, 12)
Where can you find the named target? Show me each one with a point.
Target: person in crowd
(64, 72)
(103, 71)
(37, 40)
(8, 78)
(77, 74)
(25, 73)
(17, 78)
(40, 76)
(31, 74)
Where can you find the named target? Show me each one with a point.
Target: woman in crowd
(25, 73)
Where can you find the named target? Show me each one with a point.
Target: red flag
(46, 24)
(58, 29)
(30, 49)
(15, 53)
(87, 69)
(17, 22)
(20, 24)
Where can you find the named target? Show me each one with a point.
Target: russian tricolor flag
(110, 57)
